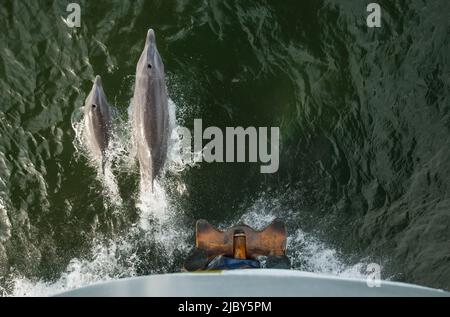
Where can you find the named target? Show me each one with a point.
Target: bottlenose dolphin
(97, 120)
(150, 111)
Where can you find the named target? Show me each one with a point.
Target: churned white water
(5, 224)
(118, 258)
(305, 251)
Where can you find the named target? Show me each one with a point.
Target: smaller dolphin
(97, 120)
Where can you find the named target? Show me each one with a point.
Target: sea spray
(149, 246)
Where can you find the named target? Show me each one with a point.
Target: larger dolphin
(97, 120)
(150, 111)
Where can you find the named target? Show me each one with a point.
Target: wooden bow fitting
(241, 241)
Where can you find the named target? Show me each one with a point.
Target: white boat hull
(250, 283)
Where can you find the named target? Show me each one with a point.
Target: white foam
(105, 265)
(117, 149)
(5, 224)
(117, 257)
(177, 158)
(152, 203)
(114, 259)
(157, 224)
(306, 252)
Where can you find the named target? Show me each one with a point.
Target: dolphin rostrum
(97, 120)
(150, 111)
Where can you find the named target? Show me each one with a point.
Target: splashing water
(152, 202)
(156, 228)
(306, 252)
(5, 224)
(119, 257)
(157, 225)
(105, 265)
(179, 158)
(116, 151)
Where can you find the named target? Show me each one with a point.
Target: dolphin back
(150, 111)
(97, 116)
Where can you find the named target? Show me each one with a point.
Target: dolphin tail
(147, 181)
(103, 164)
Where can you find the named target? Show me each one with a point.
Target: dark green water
(364, 116)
